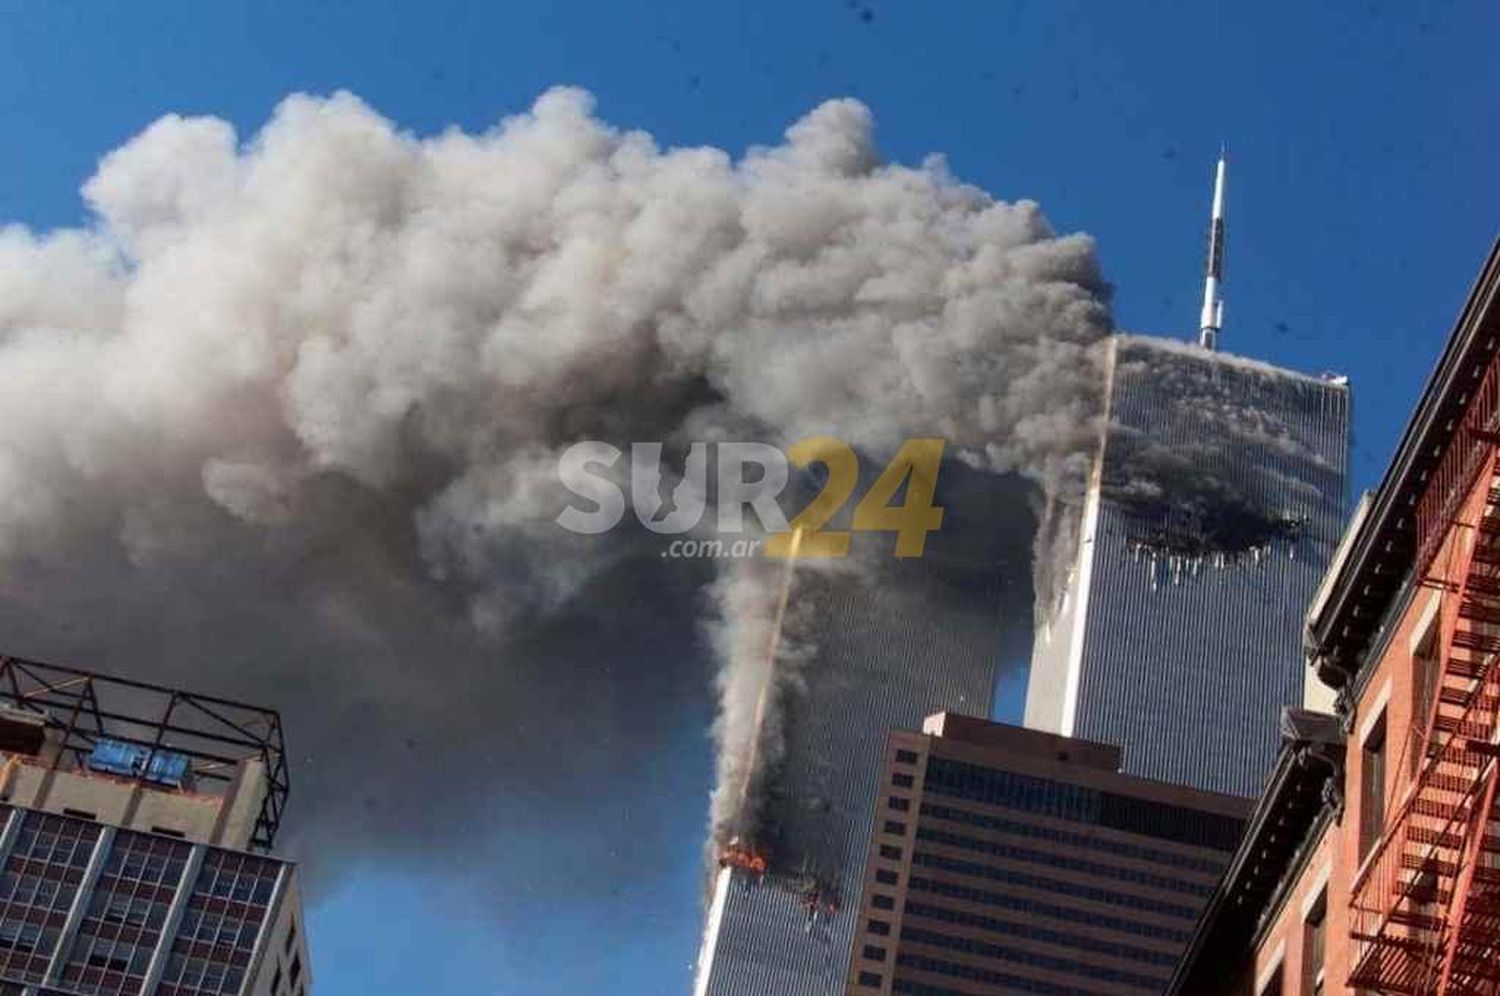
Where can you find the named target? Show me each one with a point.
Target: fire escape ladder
(1469, 964)
(1426, 905)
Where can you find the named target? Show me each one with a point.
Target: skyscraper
(1215, 506)
(133, 819)
(923, 637)
(1008, 860)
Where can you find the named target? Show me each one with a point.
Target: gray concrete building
(134, 821)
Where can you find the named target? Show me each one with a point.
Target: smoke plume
(282, 420)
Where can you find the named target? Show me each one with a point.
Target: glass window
(1314, 941)
(1372, 788)
(1424, 675)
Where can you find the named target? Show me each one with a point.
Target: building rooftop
(1377, 561)
(1020, 740)
(60, 725)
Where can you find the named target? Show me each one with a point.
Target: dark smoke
(282, 421)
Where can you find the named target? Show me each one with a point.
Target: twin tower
(1214, 506)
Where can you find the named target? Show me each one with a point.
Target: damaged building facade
(1214, 507)
(923, 636)
(1371, 860)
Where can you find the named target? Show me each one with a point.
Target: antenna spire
(1212, 318)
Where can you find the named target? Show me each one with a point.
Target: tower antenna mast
(1212, 318)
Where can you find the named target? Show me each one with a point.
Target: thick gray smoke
(283, 419)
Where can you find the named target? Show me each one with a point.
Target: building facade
(133, 821)
(1375, 866)
(922, 636)
(1215, 505)
(1007, 860)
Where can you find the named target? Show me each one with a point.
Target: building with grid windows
(1008, 860)
(1215, 505)
(133, 825)
(922, 636)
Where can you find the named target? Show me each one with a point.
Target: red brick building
(1372, 860)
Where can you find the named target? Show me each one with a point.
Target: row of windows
(122, 926)
(1035, 907)
(1055, 860)
(1180, 824)
(55, 840)
(1015, 983)
(910, 987)
(1124, 849)
(1060, 938)
(1034, 959)
(32, 890)
(1125, 899)
(41, 879)
(247, 879)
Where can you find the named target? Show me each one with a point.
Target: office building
(1007, 860)
(922, 636)
(1214, 508)
(134, 821)
(1372, 862)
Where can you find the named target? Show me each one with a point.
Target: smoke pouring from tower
(282, 421)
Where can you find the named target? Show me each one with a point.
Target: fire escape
(1425, 908)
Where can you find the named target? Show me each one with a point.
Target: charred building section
(889, 647)
(1215, 506)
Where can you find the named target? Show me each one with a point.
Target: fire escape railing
(1425, 906)
(1458, 468)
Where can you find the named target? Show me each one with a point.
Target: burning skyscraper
(1173, 606)
(1214, 507)
(917, 635)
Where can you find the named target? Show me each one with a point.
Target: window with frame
(1425, 666)
(1372, 787)
(1314, 947)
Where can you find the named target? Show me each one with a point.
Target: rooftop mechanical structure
(62, 724)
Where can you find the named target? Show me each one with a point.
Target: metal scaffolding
(215, 735)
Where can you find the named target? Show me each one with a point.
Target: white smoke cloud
(332, 365)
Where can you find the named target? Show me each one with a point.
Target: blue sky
(1363, 141)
